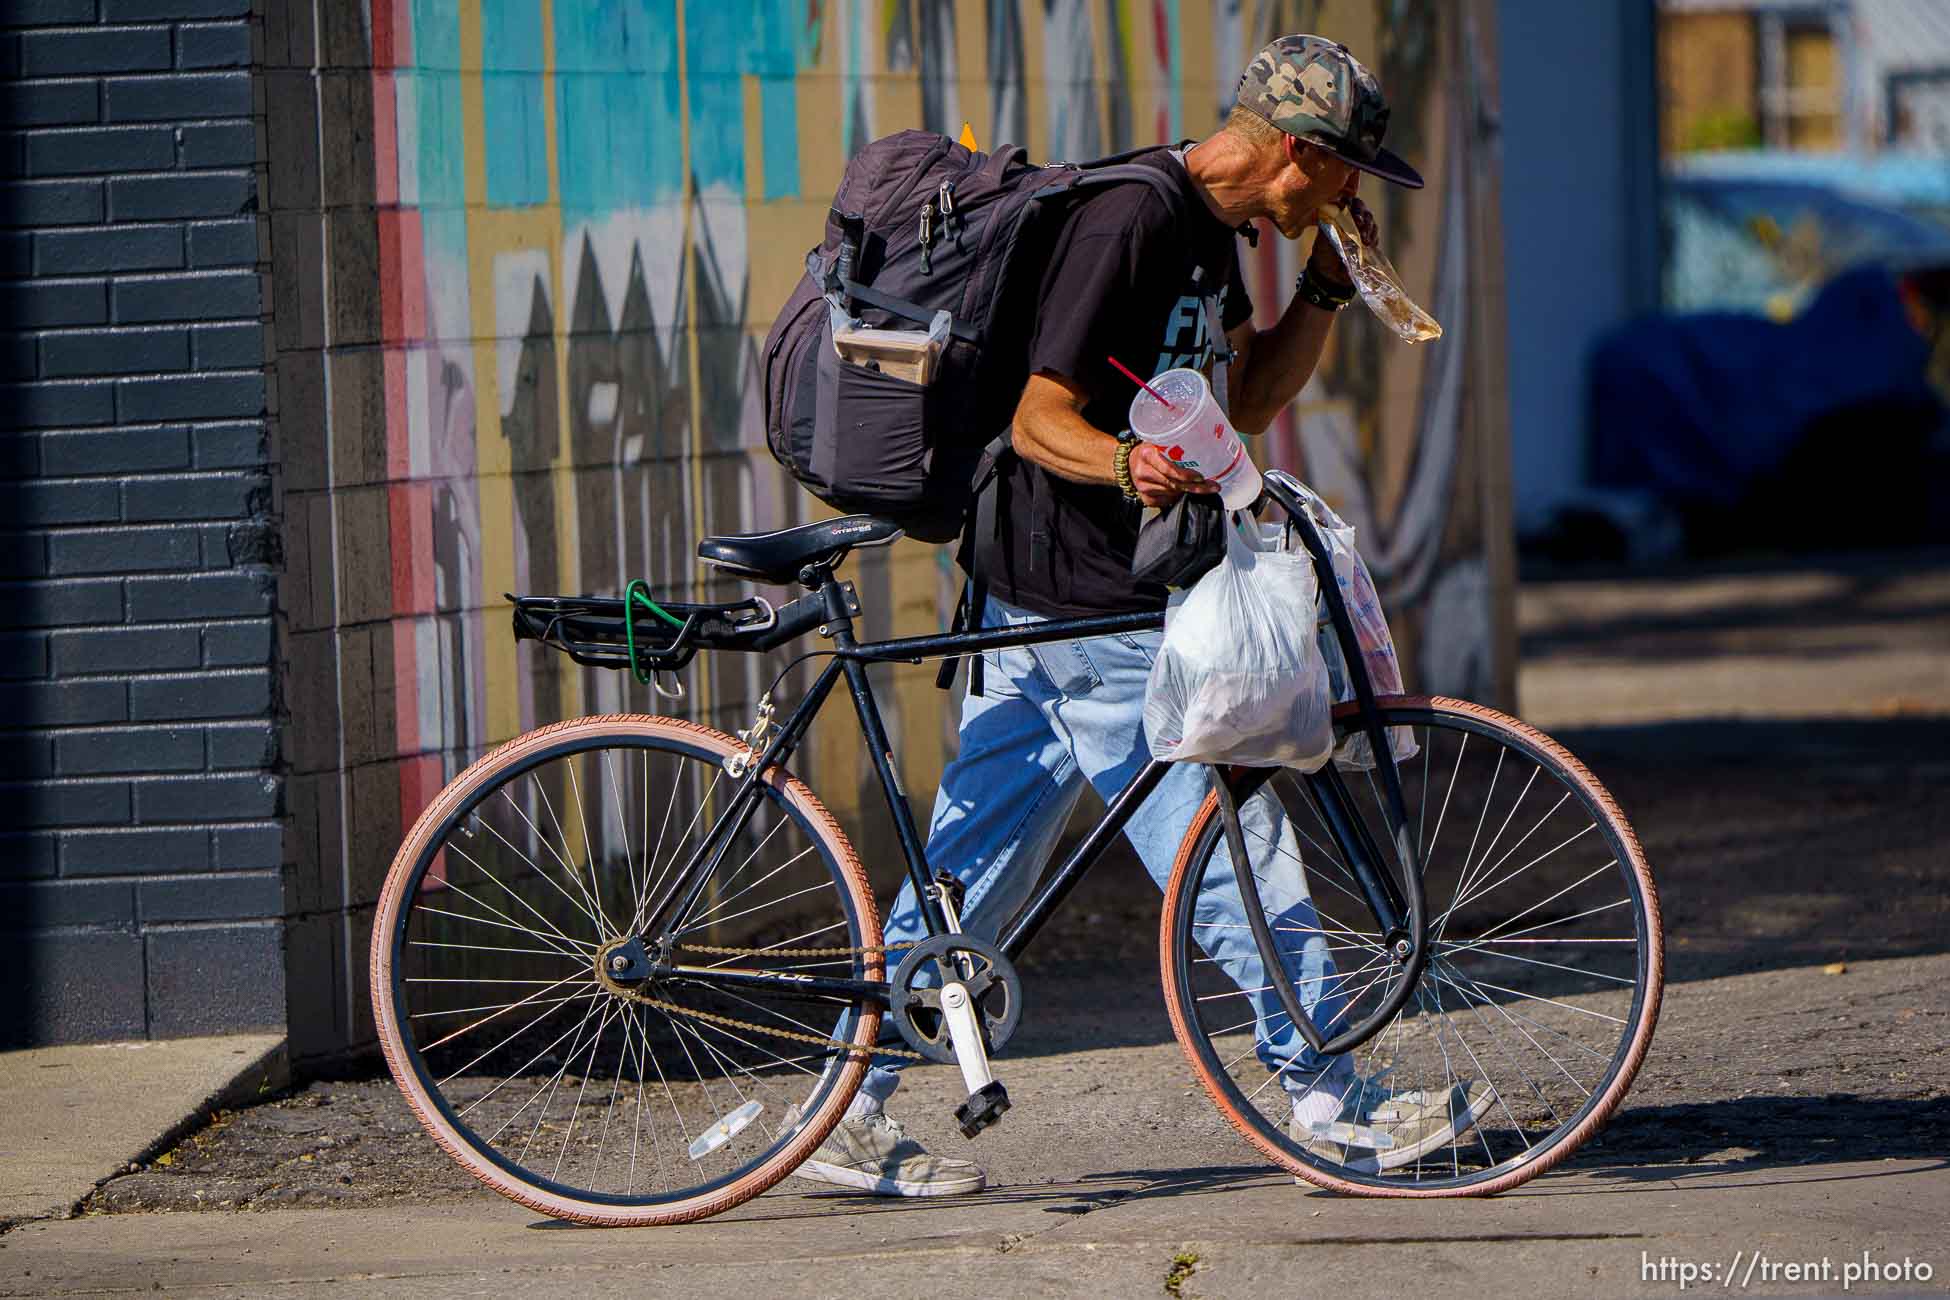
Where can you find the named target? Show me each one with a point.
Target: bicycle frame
(1401, 917)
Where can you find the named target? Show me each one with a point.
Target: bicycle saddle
(779, 556)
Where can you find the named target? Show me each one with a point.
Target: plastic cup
(1194, 432)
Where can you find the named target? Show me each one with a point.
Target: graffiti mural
(587, 213)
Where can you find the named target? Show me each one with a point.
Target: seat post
(837, 618)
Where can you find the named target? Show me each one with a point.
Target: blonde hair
(1254, 129)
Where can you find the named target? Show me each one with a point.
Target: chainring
(914, 1001)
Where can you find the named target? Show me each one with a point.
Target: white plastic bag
(1239, 677)
(1370, 630)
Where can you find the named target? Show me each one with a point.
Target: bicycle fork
(1399, 912)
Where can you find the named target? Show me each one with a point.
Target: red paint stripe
(399, 530)
(419, 782)
(413, 275)
(391, 304)
(385, 138)
(392, 34)
(406, 692)
(399, 429)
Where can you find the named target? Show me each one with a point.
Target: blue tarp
(1694, 408)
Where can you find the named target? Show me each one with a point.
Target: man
(1124, 280)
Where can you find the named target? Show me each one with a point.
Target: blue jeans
(1053, 717)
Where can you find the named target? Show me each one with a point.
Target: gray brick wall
(142, 865)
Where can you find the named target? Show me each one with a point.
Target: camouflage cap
(1315, 90)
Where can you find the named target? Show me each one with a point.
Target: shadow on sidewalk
(1074, 1197)
(1679, 1144)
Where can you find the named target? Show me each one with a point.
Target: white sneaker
(1380, 1129)
(873, 1154)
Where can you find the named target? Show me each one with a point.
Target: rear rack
(593, 632)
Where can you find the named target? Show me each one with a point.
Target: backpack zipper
(927, 236)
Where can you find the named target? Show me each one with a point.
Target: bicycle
(669, 1067)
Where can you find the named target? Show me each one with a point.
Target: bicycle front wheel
(1534, 1010)
(607, 1099)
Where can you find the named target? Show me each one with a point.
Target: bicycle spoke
(482, 947)
(520, 929)
(512, 893)
(468, 1029)
(586, 905)
(1575, 970)
(588, 849)
(616, 796)
(1470, 874)
(1516, 1022)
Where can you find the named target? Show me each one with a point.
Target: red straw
(1126, 372)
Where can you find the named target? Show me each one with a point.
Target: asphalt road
(1795, 807)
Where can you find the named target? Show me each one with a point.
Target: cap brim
(1390, 167)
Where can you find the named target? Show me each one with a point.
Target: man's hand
(1325, 262)
(1159, 481)
(1363, 221)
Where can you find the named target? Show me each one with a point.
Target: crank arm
(971, 1054)
(987, 1098)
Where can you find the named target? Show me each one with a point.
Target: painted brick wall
(141, 881)
(525, 257)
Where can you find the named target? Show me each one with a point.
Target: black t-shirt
(1119, 283)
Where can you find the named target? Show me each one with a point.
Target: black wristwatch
(1318, 293)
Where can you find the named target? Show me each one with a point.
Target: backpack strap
(1121, 167)
(903, 308)
(982, 523)
(1222, 353)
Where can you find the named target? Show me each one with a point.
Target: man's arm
(1050, 431)
(1271, 366)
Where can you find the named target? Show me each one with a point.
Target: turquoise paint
(438, 133)
(619, 134)
(719, 39)
(436, 36)
(779, 109)
(619, 143)
(511, 100)
(439, 130)
(727, 42)
(854, 82)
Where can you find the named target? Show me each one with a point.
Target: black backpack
(921, 224)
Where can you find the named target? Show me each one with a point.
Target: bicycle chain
(717, 951)
(793, 1035)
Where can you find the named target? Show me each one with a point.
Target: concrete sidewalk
(1736, 1140)
(1115, 1234)
(72, 1116)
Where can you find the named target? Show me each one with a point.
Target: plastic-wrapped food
(1374, 276)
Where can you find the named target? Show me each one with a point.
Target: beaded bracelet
(1120, 467)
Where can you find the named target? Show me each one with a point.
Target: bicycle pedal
(983, 1109)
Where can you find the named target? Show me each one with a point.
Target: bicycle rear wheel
(554, 1083)
(1539, 996)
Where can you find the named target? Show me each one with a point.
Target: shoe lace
(881, 1120)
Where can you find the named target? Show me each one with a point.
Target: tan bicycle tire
(399, 877)
(1252, 1127)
